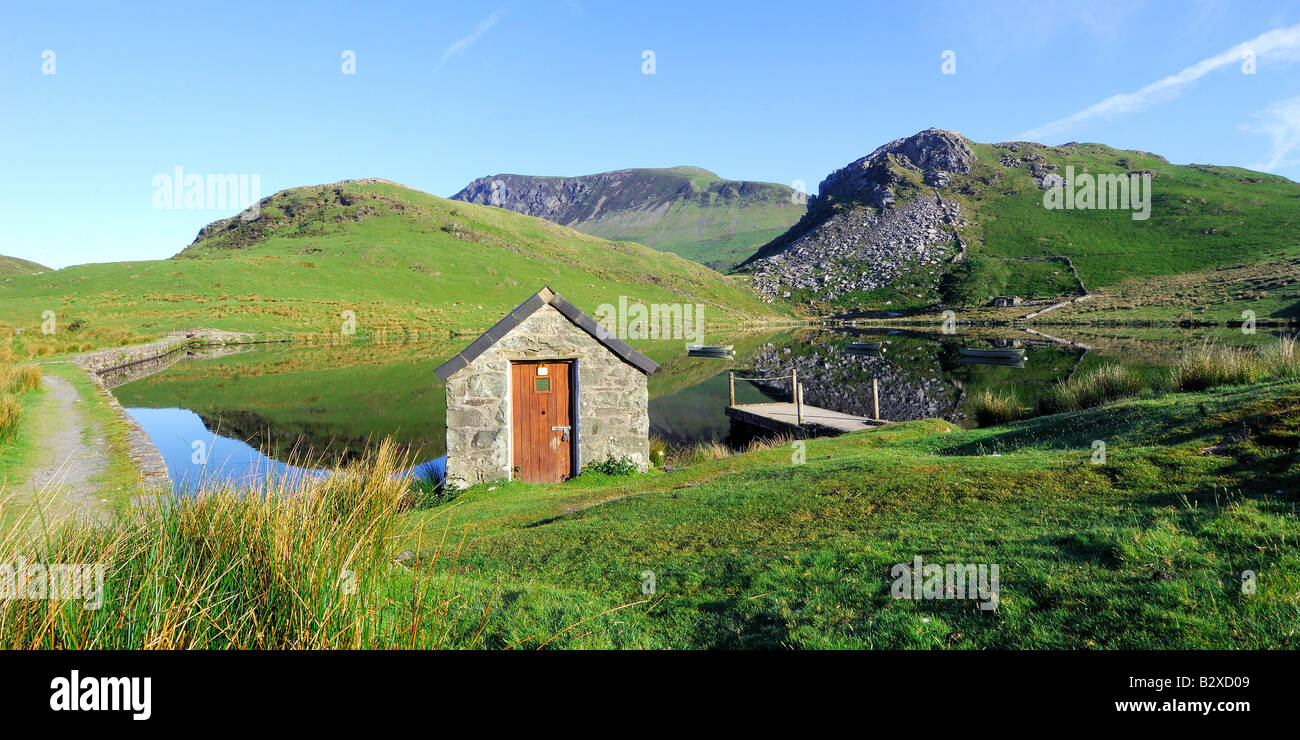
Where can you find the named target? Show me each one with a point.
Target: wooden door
(541, 427)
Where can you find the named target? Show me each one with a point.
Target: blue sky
(446, 92)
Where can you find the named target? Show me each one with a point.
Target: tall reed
(990, 408)
(1213, 364)
(306, 565)
(1110, 382)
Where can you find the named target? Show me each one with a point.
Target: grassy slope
(753, 551)
(15, 266)
(404, 261)
(1201, 216)
(710, 230)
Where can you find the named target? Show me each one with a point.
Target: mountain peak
(931, 149)
(936, 153)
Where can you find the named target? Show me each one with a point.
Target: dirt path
(65, 464)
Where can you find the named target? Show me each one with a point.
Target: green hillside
(927, 201)
(15, 266)
(689, 211)
(403, 261)
(1201, 216)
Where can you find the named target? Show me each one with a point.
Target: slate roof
(544, 297)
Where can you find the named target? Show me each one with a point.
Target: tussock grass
(1106, 384)
(990, 408)
(10, 412)
(658, 451)
(14, 382)
(1207, 366)
(305, 566)
(1212, 364)
(678, 456)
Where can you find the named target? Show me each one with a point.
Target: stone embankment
(109, 368)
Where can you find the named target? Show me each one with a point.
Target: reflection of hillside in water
(913, 384)
(120, 376)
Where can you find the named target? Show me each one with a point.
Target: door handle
(563, 437)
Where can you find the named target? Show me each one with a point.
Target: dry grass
(14, 382)
(303, 566)
(10, 412)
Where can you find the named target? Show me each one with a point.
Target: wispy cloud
(1281, 122)
(464, 43)
(1281, 44)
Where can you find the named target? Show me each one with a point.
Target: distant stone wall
(110, 359)
(613, 413)
(105, 360)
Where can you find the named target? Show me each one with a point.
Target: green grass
(408, 264)
(15, 266)
(748, 551)
(1201, 216)
(754, 551)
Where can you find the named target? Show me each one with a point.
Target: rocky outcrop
(872, 221)
(866, 249)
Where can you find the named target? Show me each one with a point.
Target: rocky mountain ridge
(687, 210)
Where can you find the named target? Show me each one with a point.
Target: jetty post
(795, 396)
(731, 388)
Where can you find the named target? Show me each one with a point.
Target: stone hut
(542, 393)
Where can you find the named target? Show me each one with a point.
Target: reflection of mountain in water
(912, 382)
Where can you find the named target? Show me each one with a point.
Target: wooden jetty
(796, 417)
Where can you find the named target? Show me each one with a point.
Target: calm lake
(291, 410)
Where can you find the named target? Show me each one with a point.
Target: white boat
(994, 354)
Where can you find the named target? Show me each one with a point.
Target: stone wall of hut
(613, 418)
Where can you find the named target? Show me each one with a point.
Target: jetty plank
(782, 417)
